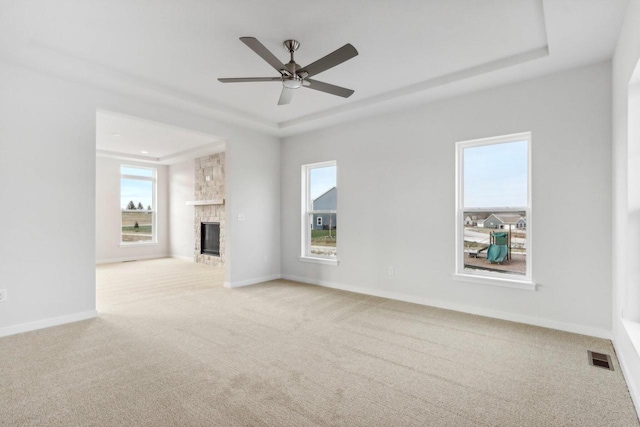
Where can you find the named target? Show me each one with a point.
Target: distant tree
(149, 207)
(131, 206)
(136, 226)
(140, 207)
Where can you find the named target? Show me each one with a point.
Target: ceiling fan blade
(249, 79)
(263, 52)
(285, 96)
(336, 57)
(329, 88)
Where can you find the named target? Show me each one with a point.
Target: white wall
(252, 189)
(625, 60)
(396, 200)
(47, 192)
(108, 214)
(181, 216)
(47, 167)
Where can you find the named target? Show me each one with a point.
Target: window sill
(633, 330)
(524, 284)
(325, 261)
(137, 244)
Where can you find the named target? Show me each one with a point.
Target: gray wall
(626, 206)
(181, 215)
(397, 178)
(48, 165)
(108, 215)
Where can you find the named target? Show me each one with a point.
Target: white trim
(505, 282)
(326, 261)
(131, 258)
(632, 331)
(307, 210)
(183, 258)
(460, 208)
(47, 323)
(153, 179)
(138, 244)
(248, 282)
(480, 311)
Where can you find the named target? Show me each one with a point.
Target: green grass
(322, 238)
(315, 234)
(142, 229)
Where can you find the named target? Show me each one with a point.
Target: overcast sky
(135, 190)
(496, 175)
(321, 180)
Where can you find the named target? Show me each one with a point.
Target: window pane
(136, 200)
(496, 175)
(323, 196)
(495, 241)
(321, 180)
(143, 172)
(323, 234)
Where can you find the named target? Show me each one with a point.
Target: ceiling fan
(292, 75)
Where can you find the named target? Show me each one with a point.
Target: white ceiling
(122, 136)
(410, 51)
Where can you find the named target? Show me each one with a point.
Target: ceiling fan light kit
(292, 75)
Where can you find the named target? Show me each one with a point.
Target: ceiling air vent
(600, 360)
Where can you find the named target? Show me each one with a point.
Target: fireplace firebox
(210, 238)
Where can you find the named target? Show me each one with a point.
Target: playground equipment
(499, 248)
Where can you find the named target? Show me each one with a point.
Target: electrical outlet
(3, 295)
(240, 217)
(391, 270)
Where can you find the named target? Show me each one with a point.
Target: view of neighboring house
(475, 219)
(500, 220)
(325, 202)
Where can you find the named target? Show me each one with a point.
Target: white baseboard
(183, 258)
(46, 323)
(545, 323)
(625, 346)
(131, 258)
(251, 281)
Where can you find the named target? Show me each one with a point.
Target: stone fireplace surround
(209, 203)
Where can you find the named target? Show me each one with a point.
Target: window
(494, 191)
(138, 205)
(319, 213)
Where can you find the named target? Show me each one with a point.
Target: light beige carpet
(172, 347)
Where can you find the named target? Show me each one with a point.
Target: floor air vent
(600, 360)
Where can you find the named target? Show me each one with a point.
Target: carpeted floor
(172, 347)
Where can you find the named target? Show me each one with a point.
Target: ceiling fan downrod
(290, 78)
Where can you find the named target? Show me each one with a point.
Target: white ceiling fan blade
(285, 96)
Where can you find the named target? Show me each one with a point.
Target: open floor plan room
(325, 213)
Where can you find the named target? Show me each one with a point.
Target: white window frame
(154, 206)
(487, 277)
(308, 212)
(319, 221)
